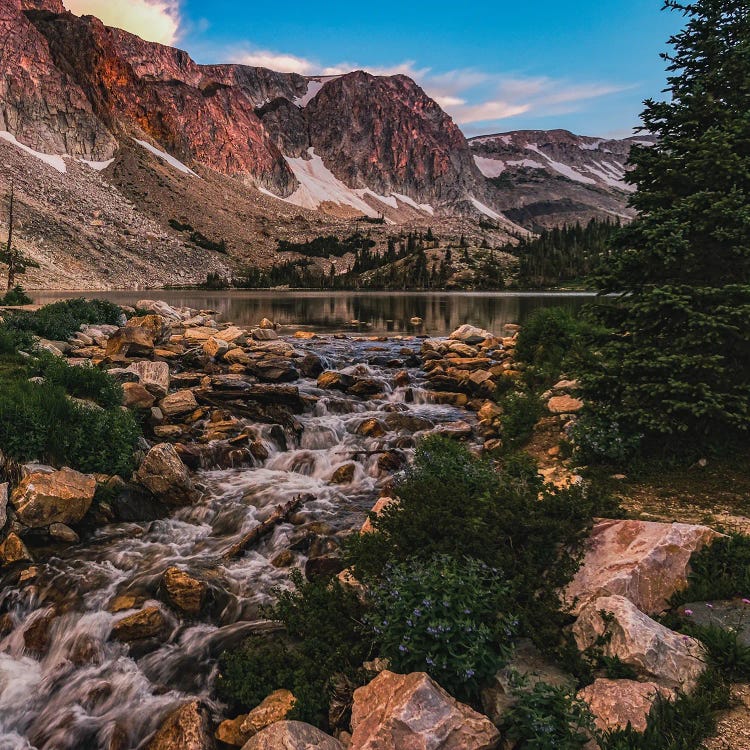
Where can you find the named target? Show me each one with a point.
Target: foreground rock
(46, 497)
(165, 475)
(395, 712)
(275, 707)
(643, 561)
(617, 703)
(147, 623)
(185, 593)
(622, 631)
(292, 735)
(186, 729)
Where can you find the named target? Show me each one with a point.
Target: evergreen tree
(11, 256)
(677, 370)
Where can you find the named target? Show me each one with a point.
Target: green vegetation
(10, 255)
(60, 320)
(676, 370)
(521, 410)
(15, 297)
(325, 247)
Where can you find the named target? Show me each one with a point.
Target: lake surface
(374, 312)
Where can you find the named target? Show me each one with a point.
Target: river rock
(216, 347)
(264, 334)
(334, 380)
(62, 533)
(42, 497)
(454, 430)
(187, 728)
(160, 308)
(363, 387)
(311, 365)
(274, 370)
(470, 335)
(179, 403)
(237, 356)
(233, 335)
(230, 732)
(344, 474)
(135, 396)
(266, 323)
(564, 404)
(199, 334)
(292, 735)
(276, 707)
(372, 428)
(644, 561)
(146, 623)
(621, 630)
(157, 325)
(163, 474)
(412, 711)
(3, 504)
(617, 703)
(130, 342)
(13, 550)
(183, 592)
(153, 376)
(399, 421)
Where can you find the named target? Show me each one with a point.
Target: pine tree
(677, 370)
(11, 256)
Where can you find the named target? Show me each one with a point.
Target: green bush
(444, 616)
(725, 651)
(598, 437)
(325, 646)
(39, 422)
(80, 381)
(16, 297)
(60, 320)
(12, 340)
(521, 412)
(721, 570)
(548, 718)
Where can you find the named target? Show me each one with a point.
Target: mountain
(544, 179)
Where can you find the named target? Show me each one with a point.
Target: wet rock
(274, 370)
(36, 636)
(130, 342)
(276, 707)
(324, 566)
(644, 561)
(183, 592)
(366, 387)
(617, 703)
(372, 428)
(13, 550)
(391, 461)
(146, 623)
(42, 498)
(403, 421)
(454, 430)
(153, 376)
(178, 404)
(264, 334)
(564, 405)
(344, 474)
(187, 728)
(135, 396)
(655, 652)
(470, 335)
(62, 533)
(397, 711)
(311, 366)
(333, 380)
(292, 735)
(283, 559)
(157, 326)
(402, 379)
(7, 625)
(164, 475)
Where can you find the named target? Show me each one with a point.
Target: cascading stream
(65, 684)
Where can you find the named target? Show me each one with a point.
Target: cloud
(469, 95)
(153, 20)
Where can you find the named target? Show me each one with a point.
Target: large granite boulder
(179, 403)
(617, 627)
(153, 376)
(643, 561)
(42, 498)
(617, 703)
(470, 335)
(395, 711)
(165, 475)
(276, 707)
(157, 325)
(130, 342)
(292, 735)
(187, 728)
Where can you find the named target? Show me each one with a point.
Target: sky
(495, 66)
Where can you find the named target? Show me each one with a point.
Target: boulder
(564, 404)
(163, 474)
(470, 335)
(216, 347)
(344, 474)
(230, 732)
(187, 728)
(183, 592)
(179, 403)
(644, 561)
(617, 703)
(135, 396)
(454, 430)
(153, 376)
(274, 370)
(157, 325)
(372, 428)
(160, 308)
(376, 510)
(267, 324)
(407, 422)
(292, 735)
(264, 334)
(237, 356)
(13, 550)
(130, 342)
(394, 712)
(43, 497)
(62, 533)
(199, 334)
(275, 707)
(616, 626)
(333, 380)
(311, 365)
(146, 623)
(233, 335)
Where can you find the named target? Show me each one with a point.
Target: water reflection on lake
(377, 312)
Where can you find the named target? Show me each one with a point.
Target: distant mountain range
(133, 163)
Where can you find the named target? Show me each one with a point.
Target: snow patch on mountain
(51, 160)
(164, 156)
(563, 169)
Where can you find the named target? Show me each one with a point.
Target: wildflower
(402, 648)
(470, 673)
(746, 601)
(688, 612)
(430, 662)
(417, 612)
(710, 606)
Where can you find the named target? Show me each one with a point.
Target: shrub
(548, 718)
(60, 320)
(721, 570)
(521, 412)
(444, 616)
(16, 297)
(80, 381)
(326, 645)
(13, 340)
(38, 422)
(601, 438)
(725, 651)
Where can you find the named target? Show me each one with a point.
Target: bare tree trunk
(11, 261)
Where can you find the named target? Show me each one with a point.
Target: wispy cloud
(153, 20)
(470, 96)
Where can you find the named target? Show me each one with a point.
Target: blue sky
(494, 66)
